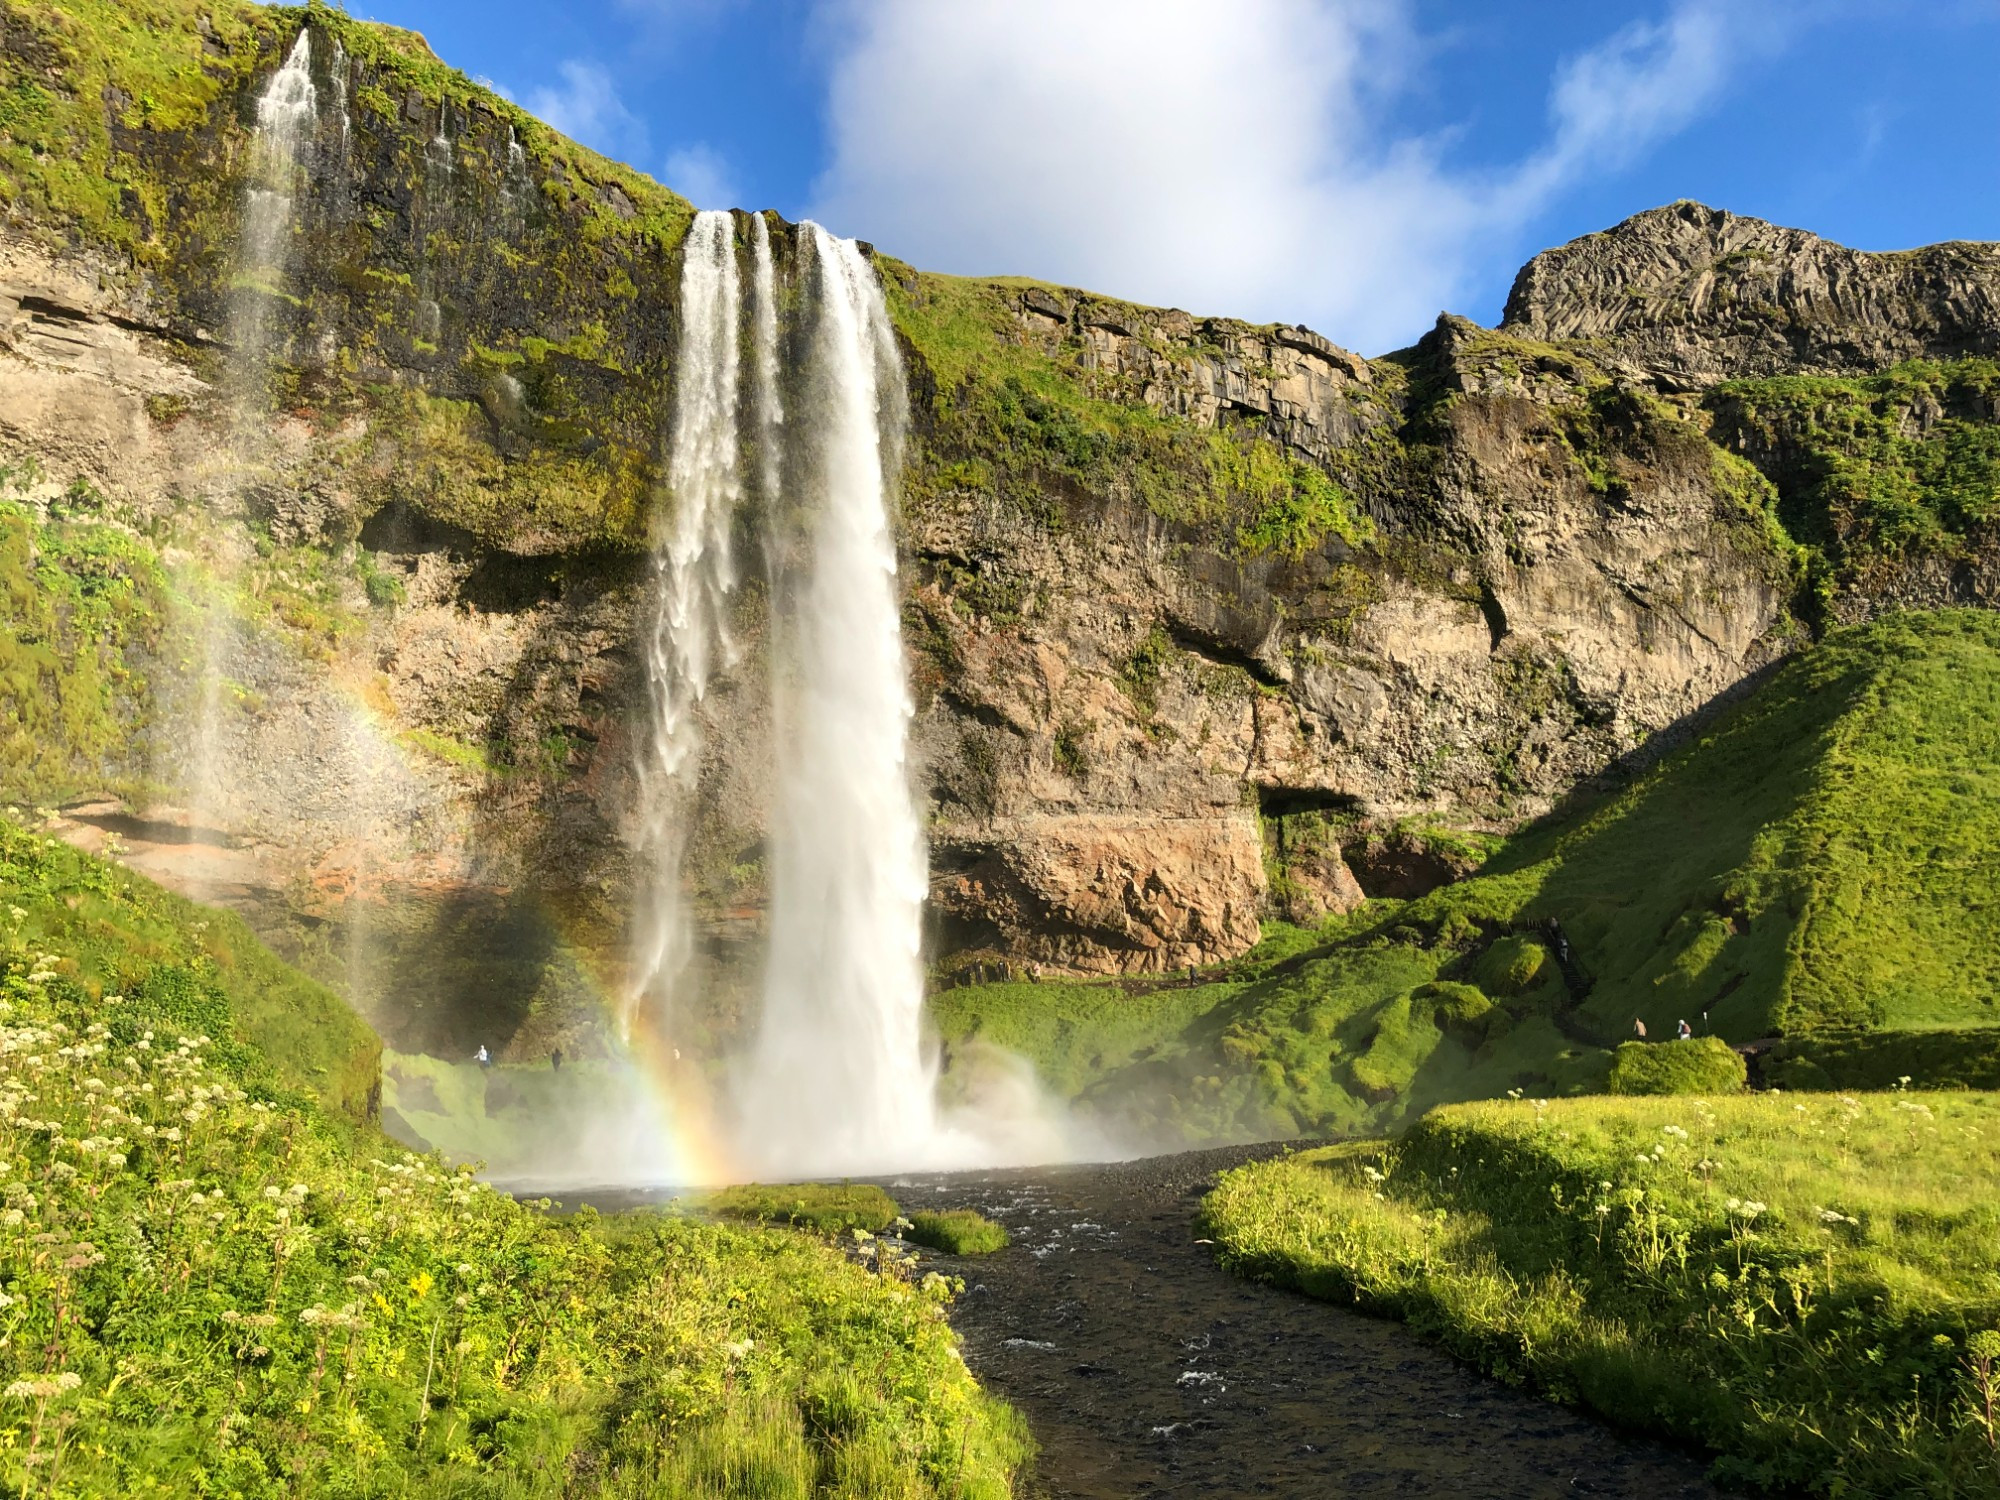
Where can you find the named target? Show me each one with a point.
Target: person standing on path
(1639, 1026)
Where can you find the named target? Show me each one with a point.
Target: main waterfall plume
(839, 1079)
(694, 572)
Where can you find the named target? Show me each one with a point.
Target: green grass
(957, 1231)
(217, 1285)
(1822, 861)
(176, 963)
(1802, 1285)
(824, 1207)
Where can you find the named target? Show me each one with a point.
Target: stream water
(1144, 1369)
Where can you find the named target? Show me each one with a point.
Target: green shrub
(1512, 966)
(958, 1231)
(1962, 1058)
(1701, 1065)
(826, 1208)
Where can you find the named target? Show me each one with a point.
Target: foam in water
(839, 1078)
(686, 637)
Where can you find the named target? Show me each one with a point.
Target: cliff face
(1207, 622)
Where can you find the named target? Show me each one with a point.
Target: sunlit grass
(1793, 1281)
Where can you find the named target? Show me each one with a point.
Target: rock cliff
(1687, 295)
(1208, 622)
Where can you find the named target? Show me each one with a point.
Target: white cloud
(700, 174)
(1222, 158)
(586, 108)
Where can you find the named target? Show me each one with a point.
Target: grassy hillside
(213, 1284)
(1807, 1286)
(1822, 862)
(171, 963)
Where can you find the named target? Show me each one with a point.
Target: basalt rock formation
(1207, 621)
(1687, 296)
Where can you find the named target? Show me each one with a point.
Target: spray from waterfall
(693, 573)
(839, 1078)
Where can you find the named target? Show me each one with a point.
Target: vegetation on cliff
(213, 1282)
(1027, 420)
(1804, 1286)
(1874, 471)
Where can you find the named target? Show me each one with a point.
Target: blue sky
(1355, 165)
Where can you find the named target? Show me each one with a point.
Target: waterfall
(337, 76)
(286, 117)
(839, 1079)
(693, 575)
(287, 113)
(769, 405)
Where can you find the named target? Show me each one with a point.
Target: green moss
(81, 606)
(1879, 467)
(436, 453)
(1699, 1065)
(1513, 966)
(1030, 423)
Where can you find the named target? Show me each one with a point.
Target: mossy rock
(1700, 1065)
(1463, 1011)
(1512, 966)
